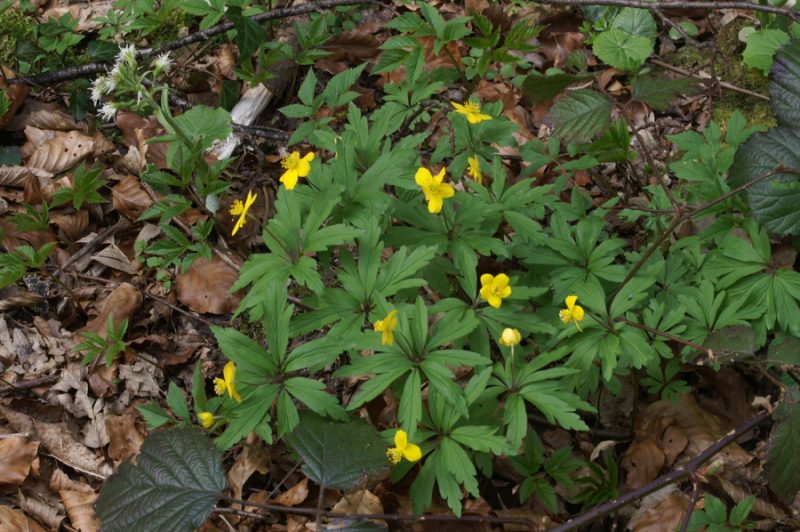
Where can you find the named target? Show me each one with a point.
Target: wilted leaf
(358, 502)
(122, 303)
(252, 458)
(660, 515)
(204, 287)
(295, 495)
(335, 454)
(113, 257)
(79, 507)
(125, 438)
(72, 224)
(177, 479)
(15, 521)
(60, 152)
(783, 460)
(43, 115)
(17, 454)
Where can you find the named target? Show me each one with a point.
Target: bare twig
(673, 476)
(723, 84)
(692, 503)
(645, 4)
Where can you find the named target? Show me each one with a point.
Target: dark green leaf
(580, 115)
(784, 86)
(335, 454)
(102, 51)
(540, 88)
(621, 50)
(659, 91)
(783, 460)
(177, 479)
(785, 350)
(736, 340)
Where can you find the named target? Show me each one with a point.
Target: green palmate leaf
(774, 200)
(177, 479)
(581, 115)
(783, 460)
(761, 48)
(338, 455)
(622, 50)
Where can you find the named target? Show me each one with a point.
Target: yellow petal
(459, 108)
(486, 279)
(446, 190)
(206, 419)
(501, 280)
(423, 177)
(219, 386)
(237, 207)
(387, 337)
(289, 179)
(577, 313)
(438, 178)
(412, 452)
(400, 439)
(435, 204)
(570, 301)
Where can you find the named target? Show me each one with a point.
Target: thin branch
(723, 84)
(645, 4)
(675, 475)
(312, 512)
(692, 504)
(81, 71)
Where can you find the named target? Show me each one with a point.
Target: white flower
(163, 62)
(127, 55)
(97, 92)
(108, 112)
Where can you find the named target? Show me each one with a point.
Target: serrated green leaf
(177, 401)
(774, 200)
(177, 479)
(659, 91)
(541, 88)
(619, 49)
(784, 86)
(154, 416)
(636, 22)
(783, 460)
(761, 48)
(580, 115)
(335, 454)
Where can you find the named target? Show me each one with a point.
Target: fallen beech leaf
(661, 515)
(15, 521)
(14, 176)
(359, 502)
(252, 458)
(350, 47)
(642, 462)
(60, 481)
(129, 197)
(122, 303)
(46, 512)
(61, 152)
(17, 454)
(43, 115)
(14, 93)
(124, 435)
(80, 509)
(204, 287)
(72, 224)
(294, 495)
(113, 257)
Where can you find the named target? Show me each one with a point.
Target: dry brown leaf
(17, 455)
(252, 458)
(129, 197)
(294, 495)
(85, 14)
(43, 115)
(14, 93)
(358, 502)
(60, 481)
(660, 513)
(12, 238)
(72, 224)
(56, 151)
(136, 131)
(122, 303)
(44, 511)
(15, 521)
(113, 257)
(80, 509)
(642, 462)
(541, 522)
(58, 440)
(14, 176)
(350, 47)
(204, 287)
(125, 436)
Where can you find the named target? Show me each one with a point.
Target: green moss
(15, 26)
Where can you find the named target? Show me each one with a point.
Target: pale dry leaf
(43, 115)
(125, 436)
(61, 481)
(114, 258)
(61, 152)
(86, 15)
(133, 162)
(46, 512)
(14, 93)
(80, 509)
(15, 521)
(101, 145)
(204, 287)
(252, 458)
(661, 513)
(358, 502)
(17, 455)
(295, 495)
(14, 176)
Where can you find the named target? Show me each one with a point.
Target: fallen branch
(675, 475)
(645, 4)
(81, 71)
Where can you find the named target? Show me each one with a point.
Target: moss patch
(15, 26)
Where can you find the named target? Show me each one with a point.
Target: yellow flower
(573, 313)
(510, 337)
(295, 167)
(206, 419)
(435, 191)
(226, 384)
(240, 209)
(475, 169)
(472, 111)
(495, 289)
(386, 327)
(403, 449)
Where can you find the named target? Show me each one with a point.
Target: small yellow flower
(296, 167)
(386, 327)
(510, 337)
(573, 313)
(240, 209)
(475, 169)
(472, 111)
(403, 449)
(494, 289)
(206, 419)
(226, 384)
(435, 191)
